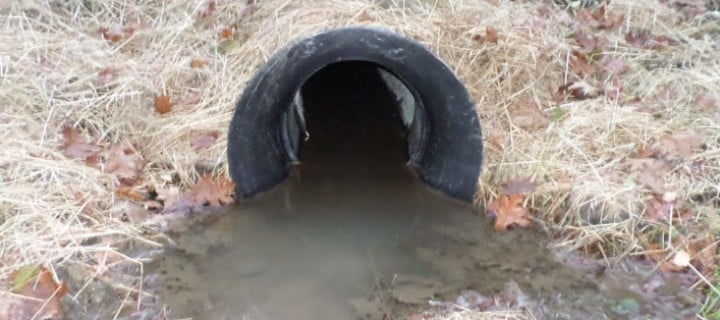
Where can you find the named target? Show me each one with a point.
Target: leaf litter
(37, 295)
(77, 148)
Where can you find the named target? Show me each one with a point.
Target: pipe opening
(353, 114)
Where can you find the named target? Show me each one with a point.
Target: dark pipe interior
(355, 129)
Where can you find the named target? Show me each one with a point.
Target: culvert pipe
(443, 135)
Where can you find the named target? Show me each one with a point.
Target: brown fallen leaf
(643, 151)
(652, 173)
(491, 36)
(701, 251)
(207, 9)
(613, 65)
(364, 16)
(88, 203)
(209, 192)
(661, 256)
(638, 38)
(497, 140)
(125, 162)
(599, 18)
(590, 44)
(704, 251)
(41, 296)
(113, 34)
(162, 104)
(578, 90)
(615, 91)
(116, 33)
(106, 76)
(528, 116)
(204, 140)
(643, 39)
(680, 144)
(683, 252)
(508, 210)
(607, 20)
(692, 8)
(197, 63)
(77, 148)
(518, 186)
(666, 208)
(580, 66)
(224, 33)
(130, 192)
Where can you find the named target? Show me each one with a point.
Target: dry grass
(52, 54)
(472, 315)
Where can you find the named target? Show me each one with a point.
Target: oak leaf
(579, 64)
(77, 148)
(680, 144)
(508, 210)
(208, 192)
(125, 162)
(162, 104)
(590, 44)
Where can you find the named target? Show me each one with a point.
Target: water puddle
(311, 252)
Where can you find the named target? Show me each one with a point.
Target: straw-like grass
(52, 53)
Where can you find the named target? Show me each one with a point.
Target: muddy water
(354, 234)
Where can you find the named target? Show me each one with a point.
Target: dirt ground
(115, 114)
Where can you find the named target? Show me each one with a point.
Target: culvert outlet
(440, 127)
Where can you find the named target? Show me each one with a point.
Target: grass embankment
(632, 139)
